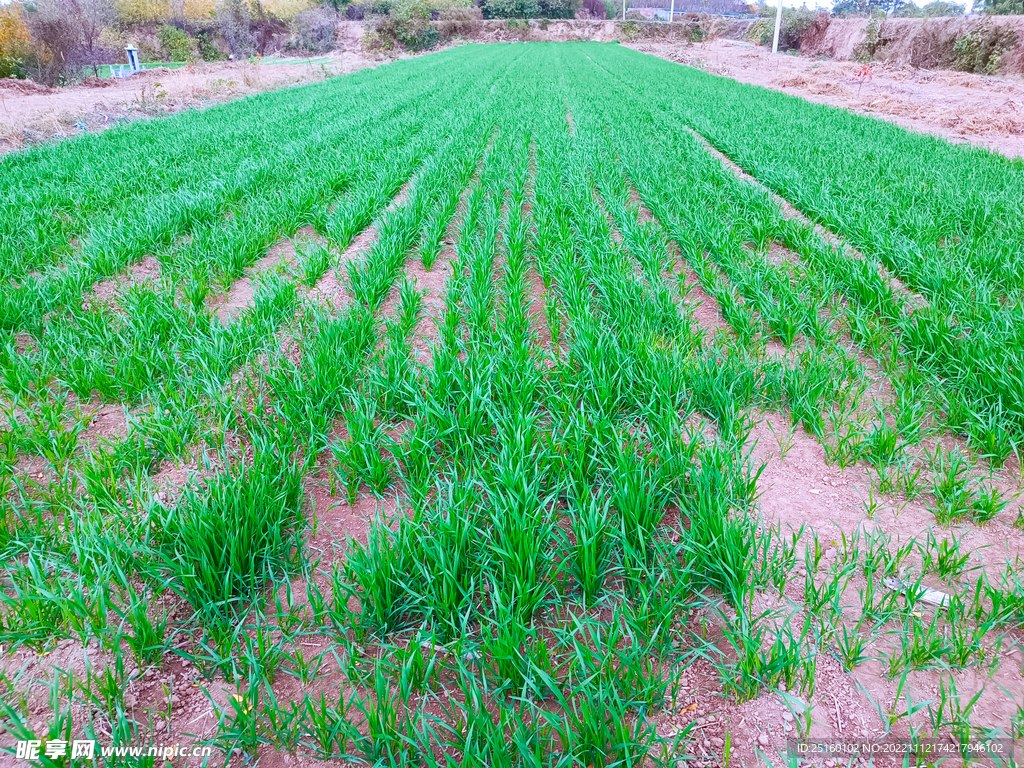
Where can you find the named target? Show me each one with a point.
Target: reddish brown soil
(282, 255)
(106, 291)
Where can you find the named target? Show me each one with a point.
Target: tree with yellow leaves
(143, 11)
(15, 41)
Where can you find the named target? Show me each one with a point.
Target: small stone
(717, 742)
(764, 740)
(787, 716)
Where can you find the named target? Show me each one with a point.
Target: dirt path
(961, 107)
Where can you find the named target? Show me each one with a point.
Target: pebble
(764, 740)
(787, 716)
(717, 742)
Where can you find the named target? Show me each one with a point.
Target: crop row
(551, 519)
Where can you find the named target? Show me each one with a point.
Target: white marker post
(778, 26)
(672, 12)
(623, 10)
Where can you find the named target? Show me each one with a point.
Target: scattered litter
(927, 595)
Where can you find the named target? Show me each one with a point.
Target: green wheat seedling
(766, 657)
(944, 558)
(852, 643)
(950, 714)
(359, 457)
(226, 542)
(590, 557)
(149, 639)
(951, 490)
(543, 516)
(989, 436)
(315, 260)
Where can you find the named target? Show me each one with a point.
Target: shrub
(198, 12)
(418, 9)
(468, 13)
(234, 22)
(931, 10)
(795, 23)
(412, 34)
(421, 39)
(557, 9)
(282, 10)
(207, 50)
(175, 44)
(315, 30)
(864, 51)
(982, 50)
(131, 12)
(15, 42)
(1002, 7)
(511, 9)
(459, 22)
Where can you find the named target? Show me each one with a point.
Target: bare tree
(67, 37)
(93, 17)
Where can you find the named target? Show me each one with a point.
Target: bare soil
(961, 107)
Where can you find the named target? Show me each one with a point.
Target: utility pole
(778, 26)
